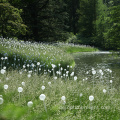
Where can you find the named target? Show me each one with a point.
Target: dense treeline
(93, 22)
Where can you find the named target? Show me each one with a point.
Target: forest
(87, 22)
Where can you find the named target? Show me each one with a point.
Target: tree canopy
(11, 23)
(93, 22)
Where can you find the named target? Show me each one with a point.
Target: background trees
(11, 23)
(45, 19)
(93, 22)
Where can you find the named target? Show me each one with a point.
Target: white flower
(43, 87)
(92, 68)
(72, 74)
(68, 66)
(1, 100)
(81, 94)
(4, 68)
(91, 98)
(20, 89)
(75, 78)
(53, 66)
(20, 73)
(23, 66)
(100, 71)
(38, 63)
(33, 65)
(49, 83)
(28, 65)
(111, 81)
(57, 72)
(29, 75)
(6, 58)
(93, 72)
(23, 83)
(87, 72)
(30, 71)
(63, 98)
(61, 68)
(104, 90)
(6, 87)
(55, 78)
(30, 104)
(67, 72)
(2, 58)
(2, 71)
(110, 71)
(42, 97)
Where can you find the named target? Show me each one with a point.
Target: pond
(106, 62)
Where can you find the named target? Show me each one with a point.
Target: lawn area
(37, 82)
(65, 98)
(71, 48)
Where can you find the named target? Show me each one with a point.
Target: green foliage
(35, 53)
(72, 38)
(45, 19)
(91, 22)
(10, 21)
(72, 6)
(107, 25)
(112, 36)
(12, 112)
(77, 48)
(101, 23)
(106, 104)
(86, 18)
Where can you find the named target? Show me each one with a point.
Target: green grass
(71, 48)
(46, 54)
(80, 49)
(36, 52)
(104, 106)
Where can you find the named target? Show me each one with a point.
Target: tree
(101, 23)
(11, 24)
(72, 6)
(112, 35)
(87, 17)
(45, 19)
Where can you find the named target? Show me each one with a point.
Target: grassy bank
(71, 48)
(105, 105)
(67, 95)
(21, 53)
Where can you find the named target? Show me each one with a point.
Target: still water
(104, 61)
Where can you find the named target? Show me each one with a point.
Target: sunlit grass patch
(23, 53)
(103, 106)
(71, 48)
(27, 95)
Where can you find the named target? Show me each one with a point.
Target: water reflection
(85, 62)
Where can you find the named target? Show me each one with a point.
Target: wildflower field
(38, 82)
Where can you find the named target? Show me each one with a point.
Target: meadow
(38, 82)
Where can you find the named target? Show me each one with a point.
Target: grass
(71, 48)
(104, 106)
(29, 53)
